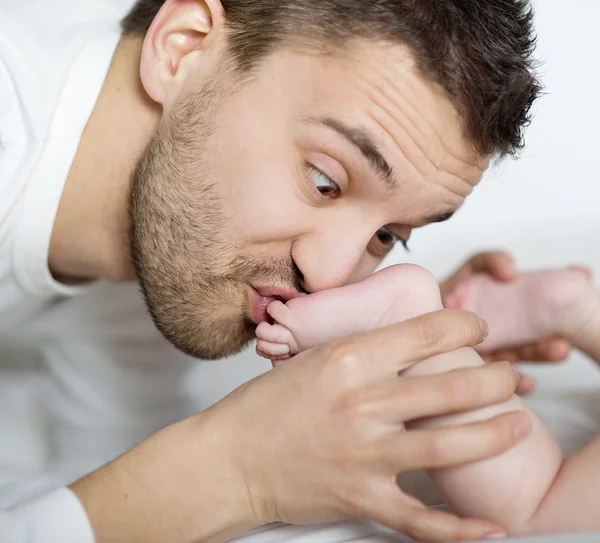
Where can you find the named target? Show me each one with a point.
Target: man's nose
(328, 259)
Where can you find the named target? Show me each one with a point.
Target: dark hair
(479, 51)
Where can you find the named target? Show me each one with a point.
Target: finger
(526, 382)
(401, 345)
(499, 264)
(390, 507)
(526, 385)
(552, 350)
(453, 446)
(433, 525)
(547, 350)
(501, 356)
(465, 389)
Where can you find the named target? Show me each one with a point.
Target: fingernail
(522, 430)
(496, 536)
(485, 329)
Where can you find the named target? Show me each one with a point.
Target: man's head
(300, 138)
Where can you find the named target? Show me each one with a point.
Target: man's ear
(182, 32)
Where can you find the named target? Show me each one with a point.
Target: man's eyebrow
(441, 217)
(362, 141)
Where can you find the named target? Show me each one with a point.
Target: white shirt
(53, 60)
(114, 379)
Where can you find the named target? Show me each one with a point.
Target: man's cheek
(268, 216)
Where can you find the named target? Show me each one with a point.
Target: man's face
(292, 182)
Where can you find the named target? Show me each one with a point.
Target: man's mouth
(261, 296)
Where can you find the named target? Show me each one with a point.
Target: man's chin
(220, 352)
(200, 332)
(218, 342)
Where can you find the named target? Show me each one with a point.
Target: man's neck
(90, 239)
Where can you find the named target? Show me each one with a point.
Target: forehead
(379, 88)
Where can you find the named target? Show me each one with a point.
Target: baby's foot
(391, 295)
(275, 341)
(534, 306)
(300, 324)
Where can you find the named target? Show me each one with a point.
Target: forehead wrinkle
(448, 161)
(420, 161)
(425, 142)
(455, 166)
(417, 77)
(433, 174)
(410, 79)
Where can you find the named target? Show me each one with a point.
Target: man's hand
(318, 440)
(322, 439)
(500, 266)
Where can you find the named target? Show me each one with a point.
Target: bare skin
(528, 489)
(535, 305)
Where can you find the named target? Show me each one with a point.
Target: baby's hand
(275, 341)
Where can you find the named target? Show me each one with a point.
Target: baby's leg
(509, 487)
(562, 302)
(388, 296)
(572, 503)
(534, 306)
(586, 335)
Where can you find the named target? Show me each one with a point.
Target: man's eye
(388, 239)
(324, 184)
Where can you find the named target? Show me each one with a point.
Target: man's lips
(261, 297)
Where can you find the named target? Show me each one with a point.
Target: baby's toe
(280, 312)
(274, 333)
(263, 331)
(271, 349)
